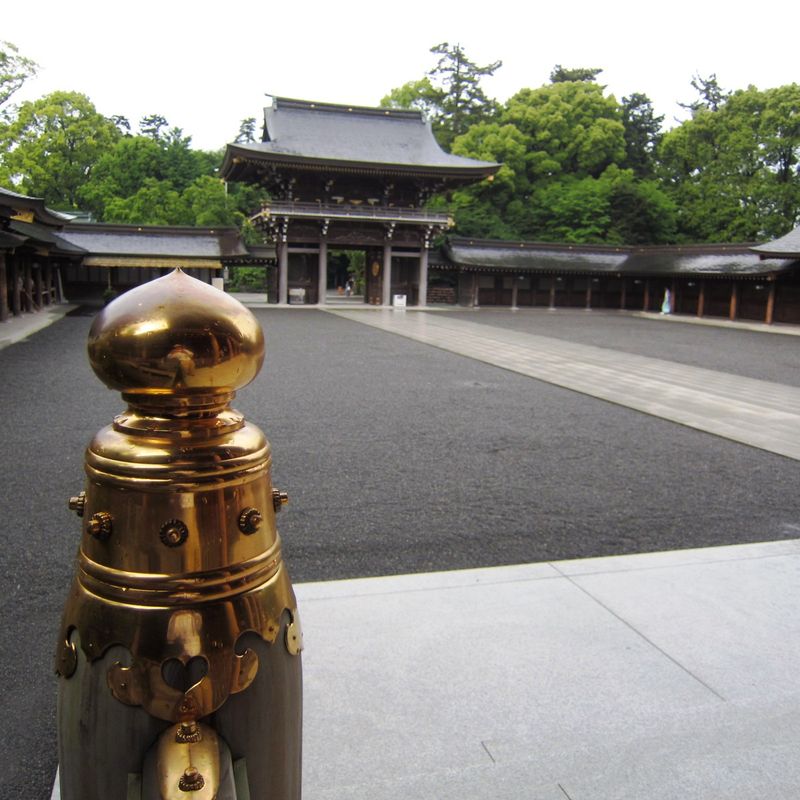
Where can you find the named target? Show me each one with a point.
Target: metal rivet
(188, 732)
(191, 780)
(100, 525)
(250, 520)
(173, 533)
(279, 499)
(78, 503)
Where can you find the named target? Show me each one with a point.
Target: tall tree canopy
(247, 131)
(565, 175)
(563, 74)
(450, 94)
(710, 94)
(15, 69)
(157, 180)
(733, 170)
(51, 147)
(642, 134)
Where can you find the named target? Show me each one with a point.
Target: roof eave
(235, 156)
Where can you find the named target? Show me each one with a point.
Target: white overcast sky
(206, 66)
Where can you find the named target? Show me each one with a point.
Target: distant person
(666, 306)
(348, 288)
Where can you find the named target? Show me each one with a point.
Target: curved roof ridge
(336, 108)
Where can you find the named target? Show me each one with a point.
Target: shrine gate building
(351, 178)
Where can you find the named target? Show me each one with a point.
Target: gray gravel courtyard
(398, 457)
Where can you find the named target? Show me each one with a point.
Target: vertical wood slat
(734, 304)
(768, 317)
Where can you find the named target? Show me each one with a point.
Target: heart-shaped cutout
(182, 676)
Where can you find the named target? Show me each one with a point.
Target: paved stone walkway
(757, 413)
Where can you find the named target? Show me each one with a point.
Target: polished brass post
(179, 648)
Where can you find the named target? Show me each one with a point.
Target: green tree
(247, 131)
(562, 148)
(450, 95)
(123, 124)
(51, 146)
(204, 202)
(563, 74)
(15, 69)
(154, 203)
(572, 128)
(207, 204)
(151, 125)
(120, 172)
(711, 95)
(614, 208)
(732, 171)
(462, 100)
(419, 95)
(642, 134)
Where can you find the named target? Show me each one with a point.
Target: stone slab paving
(757, 413)
(653, 676)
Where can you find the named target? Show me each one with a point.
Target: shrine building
(350, 178)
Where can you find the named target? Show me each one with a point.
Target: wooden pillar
(283, 273)
(39, 287)
(552, 305)
(48, 283)
(734, 307)
(770, 304)
(27, 285)
(589, 295)
(387, 273)
(701, 299)
(322, 272)
(3, 289)
(646, 301)
(16, 304)
(622, 296)
(423, 276)
(59, 287)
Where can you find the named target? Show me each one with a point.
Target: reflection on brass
(294, 636)
(188, 766)
(279, 499)
(77, 503)
(191, 780)
(250, 520)
(173, 334)
(100, 525)
(173, 533)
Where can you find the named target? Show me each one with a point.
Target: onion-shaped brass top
(176, 335)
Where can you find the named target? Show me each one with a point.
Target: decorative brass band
(136, 588)
(155, 635)
(162, 466)
(225, 422)
(190, 404)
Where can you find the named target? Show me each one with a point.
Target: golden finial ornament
(181, 609)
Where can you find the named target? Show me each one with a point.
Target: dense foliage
(580, 166)
(577, 164)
